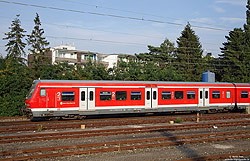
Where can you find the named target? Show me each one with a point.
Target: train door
(151, 99)
(83, 100)
(87, 99)
(203, 97)
(154, 97)
(91, 98)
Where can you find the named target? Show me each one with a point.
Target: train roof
(134, 82)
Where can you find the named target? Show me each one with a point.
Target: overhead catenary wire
(124, 33)
(125, 43)
(112, 15)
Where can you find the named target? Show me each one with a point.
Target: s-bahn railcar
(79, 98)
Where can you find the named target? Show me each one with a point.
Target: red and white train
(72, 98)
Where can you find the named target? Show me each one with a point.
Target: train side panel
(69, 98)
(243, 96)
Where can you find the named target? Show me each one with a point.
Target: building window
(68, 96)
(244, 94)
(178, 95)
(190, 94)
(228, 94)
(105, 95)
(42, 92)
(135, 95)
(216, 94)
(121, 95)
(165, 95)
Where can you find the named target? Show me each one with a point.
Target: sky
(124, 27)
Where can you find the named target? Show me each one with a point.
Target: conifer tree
(38, 48)
(189, 55)
(15, 45)
(36, 40)
(235, 56)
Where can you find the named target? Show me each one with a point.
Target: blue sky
(108, 34)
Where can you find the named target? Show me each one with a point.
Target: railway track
(60, 151)
(120, 131)
(89, 124)
(24, 121)
(148, 129)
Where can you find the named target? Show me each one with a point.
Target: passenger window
(68, 96)
(121, 95)
(42, 92)
(91, 95)
(105, 95)
(216, 94)
(148, 95)
(190, 94)
(201, 95)
(83, 96)
(135, 95)
(228, 94)
(244, 94)
(178, 95)
(206, 94)
(154, 95)
(165, 95)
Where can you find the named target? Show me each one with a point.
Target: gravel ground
(155, 154)
(167, 153)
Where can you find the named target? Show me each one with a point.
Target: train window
(148, 95)
(201, 97)
(42, 92)
(206, 94)
(165, 95)
(190, 94)
(68, 96)
(228, 94)
(105, 95)
(154, 95)
(121, 95)
(135, 95)
(216, 94)
(178, 95)
(244, 94)
(91, 95)
(83, 96)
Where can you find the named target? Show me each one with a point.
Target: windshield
(31, 91)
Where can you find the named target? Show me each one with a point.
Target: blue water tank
(208, 77)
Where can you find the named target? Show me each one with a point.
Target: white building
(67, 53)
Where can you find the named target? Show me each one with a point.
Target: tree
(38, 48)
(162, 54)
(14, 74)
(236, 53)
(189, 55)
(36, 40)
(15, 45)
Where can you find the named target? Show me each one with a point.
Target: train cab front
(30, 100)
(27, 110)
